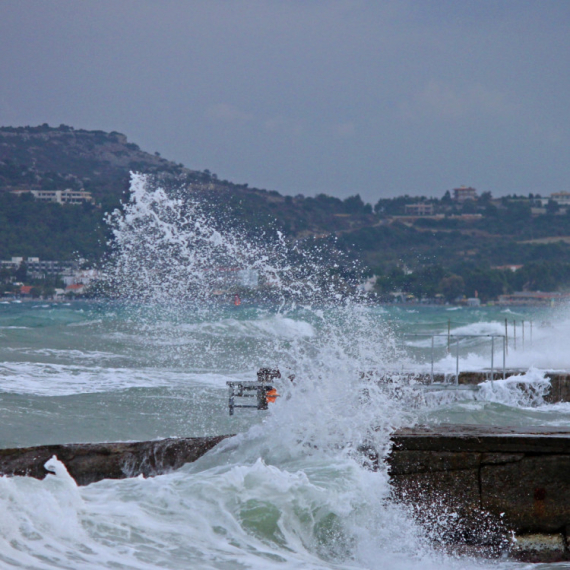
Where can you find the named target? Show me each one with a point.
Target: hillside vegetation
(462, 242)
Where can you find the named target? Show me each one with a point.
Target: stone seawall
(488, 482)
(90, 462)
(471, 486)
(559, 382)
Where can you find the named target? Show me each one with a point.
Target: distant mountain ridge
(56, 158)
(49, 158)
(492, 233)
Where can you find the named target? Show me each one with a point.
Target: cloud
(443, 101)
(224, 113)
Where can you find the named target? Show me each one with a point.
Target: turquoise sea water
(288, 492)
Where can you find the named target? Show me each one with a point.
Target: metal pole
(457, 362)
(432, 337)
(493, 361)
(231, 401)
(506, 337)
(504, 356)
(448, 336)
(514, 334)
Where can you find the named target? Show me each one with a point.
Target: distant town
(29, 277)
(35, 279)
(32, 278)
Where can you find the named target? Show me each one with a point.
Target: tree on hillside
(552, 207)
(22, 272)
(355, 205)
(486, 283)
(452, 287)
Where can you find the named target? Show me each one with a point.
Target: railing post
(493, 361)
(448, 336)
(514, 334)
(231, 401)
(506, 337)
(457, 362)
(432, 337)
(504, 356)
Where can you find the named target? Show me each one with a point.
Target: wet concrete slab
(496, 481)
(458, 437)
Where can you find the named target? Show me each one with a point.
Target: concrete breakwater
(471, 486)
(559, 381)
(484, 483)
(91, 462)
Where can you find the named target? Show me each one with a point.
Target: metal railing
(454, 337)
(522, 325)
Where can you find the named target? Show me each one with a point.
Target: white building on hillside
(82, 277)
(464, 193)
(38, 268)
(419, 209)
(60, 196)
(562, 198)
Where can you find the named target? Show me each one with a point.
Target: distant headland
(57, 183)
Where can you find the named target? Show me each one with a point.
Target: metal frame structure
(457, 339)
(248, 389)
(251, 389)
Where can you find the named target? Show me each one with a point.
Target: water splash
(170, 245)
(527, 390)
(180, 264)
(176, 264)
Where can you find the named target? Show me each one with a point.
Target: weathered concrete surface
(90, 462)
(494, 479)
(539, 548)
(472, 486)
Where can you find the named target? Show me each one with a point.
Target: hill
(48, 158)
(457, 239)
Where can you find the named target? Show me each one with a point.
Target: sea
(291, 489)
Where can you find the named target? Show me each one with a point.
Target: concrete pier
(91, 462)
(472, 487)
(559, 381)
(484, 483)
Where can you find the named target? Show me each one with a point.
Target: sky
(341, 97)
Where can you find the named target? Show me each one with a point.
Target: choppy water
(290, 491)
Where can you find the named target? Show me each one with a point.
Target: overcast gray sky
(335, 96)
